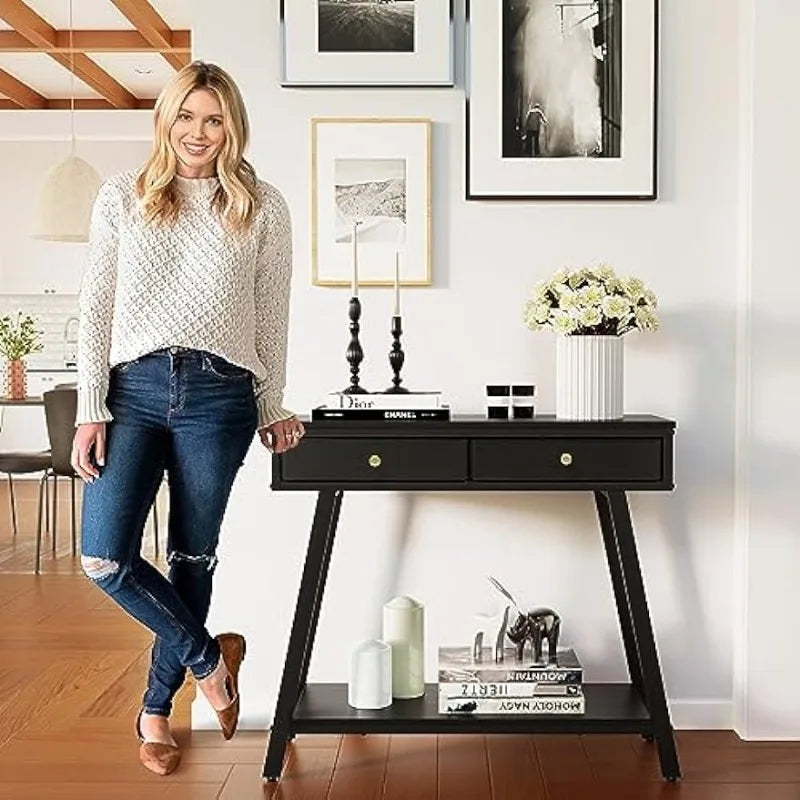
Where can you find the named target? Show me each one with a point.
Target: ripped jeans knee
(97, 568)
(207, 560)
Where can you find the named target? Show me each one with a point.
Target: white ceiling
(176, 13)
(103, 14)
(46, 76)
(43, 75)
(85, 14)
(123, 68)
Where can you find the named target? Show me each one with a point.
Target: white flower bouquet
(591, 301)
(20, 337)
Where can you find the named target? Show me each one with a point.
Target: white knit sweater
(189, 284)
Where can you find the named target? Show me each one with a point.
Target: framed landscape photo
(561, 99)
(367, 42)
(370, 181)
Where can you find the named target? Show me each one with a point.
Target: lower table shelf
(610, 708)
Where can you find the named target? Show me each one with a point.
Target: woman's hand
(87, 435)
(282, 435)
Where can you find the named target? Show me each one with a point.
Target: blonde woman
(181, 358)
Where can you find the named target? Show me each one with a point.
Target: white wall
(27, 264)
(467, 330)
(769, 518)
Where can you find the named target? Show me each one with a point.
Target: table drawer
(353, 459)
(567, 459)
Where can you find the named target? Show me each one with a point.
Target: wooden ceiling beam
(13, 42)
(95, 104)
(97, 78)
(81, 104)
(96, 42)
(36, 30)
(19, 92)
(150, 24)
(27, 22)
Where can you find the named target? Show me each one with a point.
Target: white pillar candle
(355, 260)
(403, 629)
(370, 683)
(397, 283)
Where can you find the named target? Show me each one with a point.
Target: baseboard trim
(701, 714)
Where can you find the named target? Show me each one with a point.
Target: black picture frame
(510, 182)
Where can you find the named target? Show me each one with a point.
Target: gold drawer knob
(566, 459)
(374, 460)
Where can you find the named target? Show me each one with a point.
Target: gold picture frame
(375, 173)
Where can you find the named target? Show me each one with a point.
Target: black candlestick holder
(396, 357)
(354, 353)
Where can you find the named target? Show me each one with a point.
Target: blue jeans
(193, 414)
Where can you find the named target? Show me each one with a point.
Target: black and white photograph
(370, 200)
(391, 43)
(562, 78)
(353, 26)
(372, 193)
(561, 100)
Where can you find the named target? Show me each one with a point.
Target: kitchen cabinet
(42, 276)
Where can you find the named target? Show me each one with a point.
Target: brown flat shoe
(233, 647)
(156, 756)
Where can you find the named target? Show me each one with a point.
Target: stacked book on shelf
(468, 686)
(401, 406)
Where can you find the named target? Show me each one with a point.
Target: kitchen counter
(30, 400)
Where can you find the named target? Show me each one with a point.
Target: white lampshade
(66, 200)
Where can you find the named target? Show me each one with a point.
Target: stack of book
(424, 406)
(467, 686)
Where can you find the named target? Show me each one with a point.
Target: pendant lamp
(70, 188)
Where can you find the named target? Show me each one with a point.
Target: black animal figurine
(485, 624)
(536, 625)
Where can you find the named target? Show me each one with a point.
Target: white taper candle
(397, 283)
(355, 260)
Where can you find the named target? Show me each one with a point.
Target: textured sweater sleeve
(272, 287)
(96, 304)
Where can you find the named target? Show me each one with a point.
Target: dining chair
(25, 463)
(60, 405)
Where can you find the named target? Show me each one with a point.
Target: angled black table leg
(323, 577)
(620, 592)
(317, 604)
(643, 634)
(300, 641)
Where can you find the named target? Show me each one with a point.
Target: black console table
(474, 454)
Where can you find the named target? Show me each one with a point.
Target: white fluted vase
(589, 377)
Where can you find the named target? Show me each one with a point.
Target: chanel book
(391, 414)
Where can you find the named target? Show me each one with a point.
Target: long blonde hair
(236, 198)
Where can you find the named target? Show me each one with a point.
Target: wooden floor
(72, 670)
